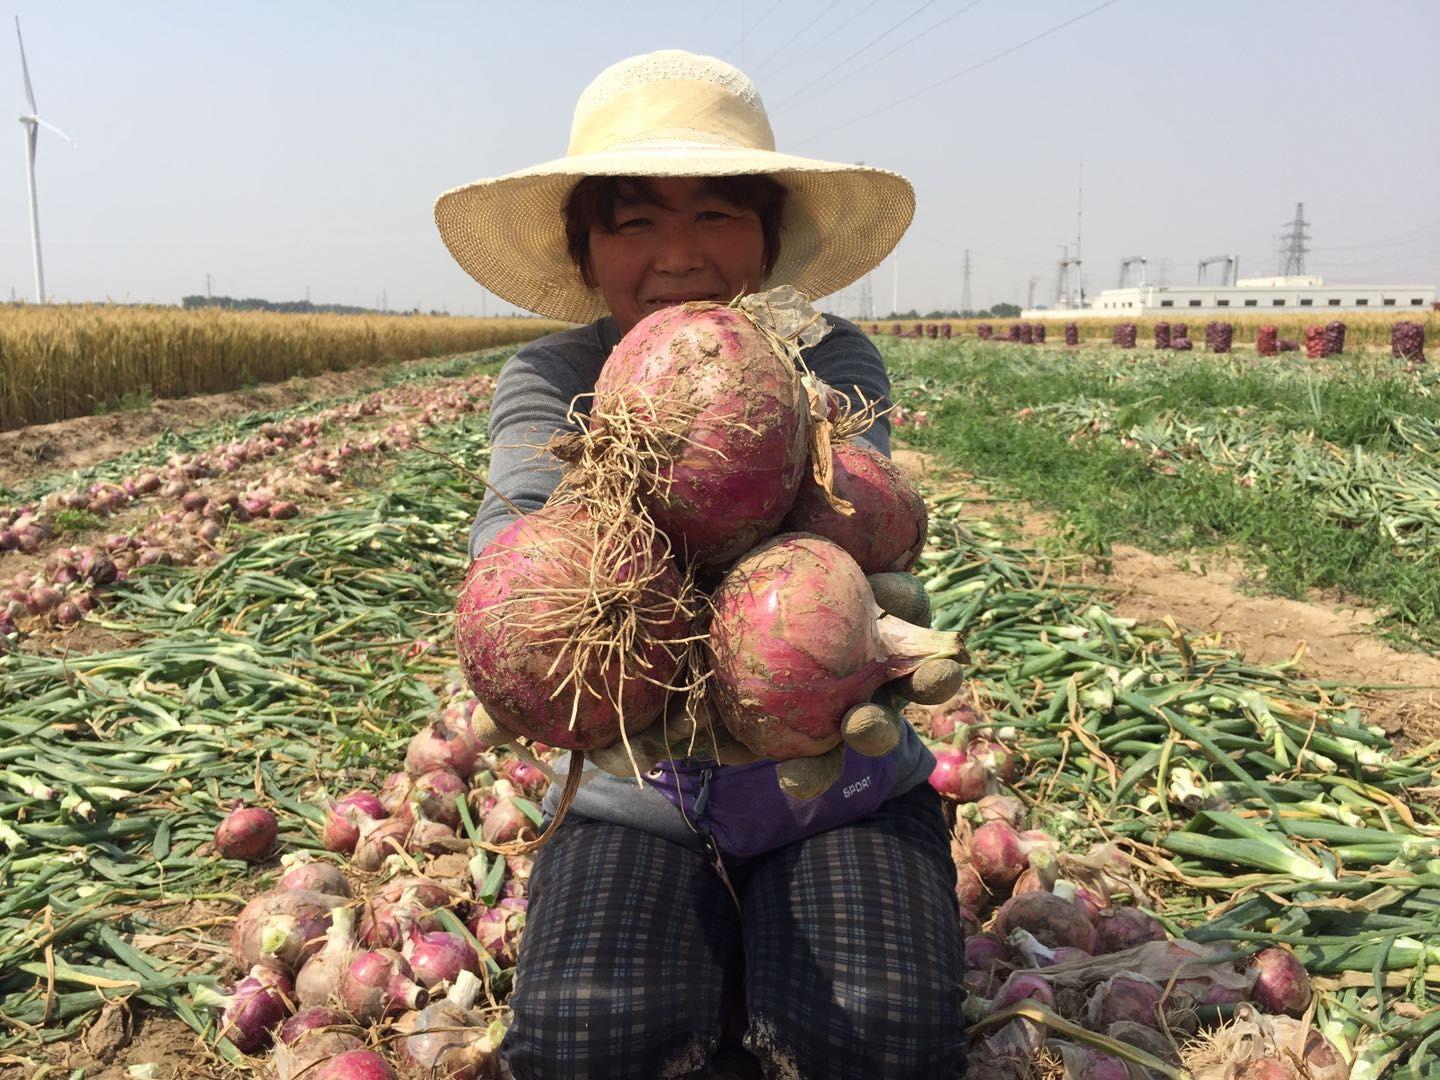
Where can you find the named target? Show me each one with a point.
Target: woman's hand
(877, 726)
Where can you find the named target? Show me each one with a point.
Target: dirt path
(1337, 636)
(86, 440)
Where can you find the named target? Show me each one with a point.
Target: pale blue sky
(280, 145)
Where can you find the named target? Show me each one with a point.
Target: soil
(86, 440)
(1213, 595)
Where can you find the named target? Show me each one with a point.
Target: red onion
(998, 854)
(1281, 983)
(957, 775)
(699, 391)
(446, 1038)
(354, 1065)
(378, 841)
(286, 924)
(320, 977)
(1004, 808)
(314, 1018)
(506, 822)
(530, 779)
(342, 818)
(796, 640)
(248, 833)
(885, 528)
(1053, 921)
(437, 957)
(1126, 996)
(395, 792)
(984, 951)
(434, 794)
(518, 645)
(1021, 985)
(378, 984)
(253, 1008)
(317, 877)
(386, 922)
(442, 745)
(1087, 1063)
(996, 759)
(500, 928)
(1126, 927)
(969, 889)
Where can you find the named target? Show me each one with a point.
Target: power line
(908, 41)
(1378, 243)
(796, 36)
(962, 72)
(741, 39)
(841, 63)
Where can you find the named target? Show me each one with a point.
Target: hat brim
(508, 232)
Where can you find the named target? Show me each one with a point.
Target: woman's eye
(631, 224)
(716, 215)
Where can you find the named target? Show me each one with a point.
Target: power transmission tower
(867, 299)
(1292, 245)
(965, 285)
(1030, 294)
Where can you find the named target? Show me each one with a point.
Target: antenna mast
(965, 285)
(1079, 218)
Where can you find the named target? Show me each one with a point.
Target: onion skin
(319, 979)
(736, 465)
(510, 670)
(887, 529)
(796, 641)
(969, 889)
(1281, 982)
(248, 832)
(984, 950)
(385, 924)
(378, 841)
(1124, 997)
(254, 1008)
(395, 793)
(379, 983)
(505, 822)
(1021, 985)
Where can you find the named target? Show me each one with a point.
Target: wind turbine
(33, 124)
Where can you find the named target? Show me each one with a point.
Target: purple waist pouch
(742, 808)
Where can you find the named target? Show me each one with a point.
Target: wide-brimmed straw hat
(669, 113)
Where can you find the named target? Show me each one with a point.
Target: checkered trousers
(848, 951)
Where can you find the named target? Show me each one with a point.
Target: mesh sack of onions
(1072, 333)
(1125, 335)
(1407, 342)
(895, 330)
(1027, 334)
(985, 331)
(1162, 335)
(1039, 333)
(945, 331)
(1267, 340)
(932, 330)
(1334, 338)
(1180, 329)
(919, 330)
(1181, 344)
(1287, 345)
(1219, 336)
(1012, 332)
(1314, 342)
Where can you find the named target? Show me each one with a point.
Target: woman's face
(697, 246)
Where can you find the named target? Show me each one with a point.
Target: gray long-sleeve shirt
(532, 401)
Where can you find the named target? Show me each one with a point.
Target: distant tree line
(999, 311)
(291, 307)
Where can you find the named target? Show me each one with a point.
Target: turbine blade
(29, 92)
(56, 130)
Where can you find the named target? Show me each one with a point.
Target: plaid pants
(847, 948)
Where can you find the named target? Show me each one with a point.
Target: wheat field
(59, 361)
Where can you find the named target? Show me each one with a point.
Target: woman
(669, 919)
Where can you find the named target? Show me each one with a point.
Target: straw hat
(669, 113)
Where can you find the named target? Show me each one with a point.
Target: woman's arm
(847, 359)
(531, 402)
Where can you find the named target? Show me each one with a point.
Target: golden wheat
(72, 360)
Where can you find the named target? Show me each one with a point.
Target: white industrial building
(1249, 296)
